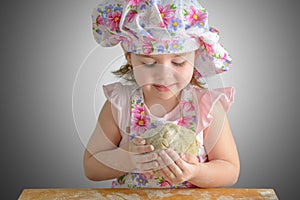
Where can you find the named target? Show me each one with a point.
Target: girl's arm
(102, 155)
(222, 168)
(104, 159)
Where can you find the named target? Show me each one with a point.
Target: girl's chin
(161, 92)
(166, 94)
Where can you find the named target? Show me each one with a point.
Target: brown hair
(126, 72)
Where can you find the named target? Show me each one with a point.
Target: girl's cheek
(185, 75)
(143, 75)
(160, 74)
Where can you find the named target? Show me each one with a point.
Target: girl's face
(163, 76)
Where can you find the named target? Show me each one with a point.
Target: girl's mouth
(162, 88)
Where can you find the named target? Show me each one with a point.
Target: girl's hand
(142, 156)
(177, 168)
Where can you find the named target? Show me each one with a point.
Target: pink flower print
(140, 124)
(165, 183)
(130, 16)
(224, 57)
(208, 47)
(151, 177)
(141, 120)
(113, 184)
(147, 47)
(187, 106)
(189, 185)
(213, 30)
(99, 20)
(185, 121)
(114, 20)
(196, 16)
(135, 2)
(166, 14)
(138, 110)
(197, 73)
(116, 39)
(147, 50)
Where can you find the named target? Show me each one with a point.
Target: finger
(164, 159)
(139, 149)
(162, 173)
(138, 141)
(174, 156)
(167, 174)
(147, 167)
(189, 158)
(145, 162)
(160, 163)
(147, 157)
(148, 173)
(169, 156)
(172, 171)
(175, 166)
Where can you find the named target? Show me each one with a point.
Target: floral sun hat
(161, 27)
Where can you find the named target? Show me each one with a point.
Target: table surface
(133, 194)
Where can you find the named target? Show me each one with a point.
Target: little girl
(169, 47)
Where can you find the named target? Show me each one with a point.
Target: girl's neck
(160, 107)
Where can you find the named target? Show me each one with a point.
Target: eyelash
(179, 64)
(149, 65)
(176, 64)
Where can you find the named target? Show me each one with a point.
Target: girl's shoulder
(118, 93)
(211, 96)
(208, 98)
(117, 88)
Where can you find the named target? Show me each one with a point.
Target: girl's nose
(163, 71)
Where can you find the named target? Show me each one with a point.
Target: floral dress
(141, 120)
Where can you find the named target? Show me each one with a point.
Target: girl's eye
(149, 64)
(179, 64)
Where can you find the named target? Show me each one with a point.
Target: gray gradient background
(43, 44)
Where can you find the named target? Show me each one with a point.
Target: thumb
(139, 141)
(189, 158)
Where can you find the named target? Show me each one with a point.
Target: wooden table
(134, 194)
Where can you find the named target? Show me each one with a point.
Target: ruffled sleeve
(113, 93)
(207, 100)
(119, 96)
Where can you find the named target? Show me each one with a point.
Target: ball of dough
(178, 138)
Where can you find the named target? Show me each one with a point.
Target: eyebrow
(149, 56)
(143, 55)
